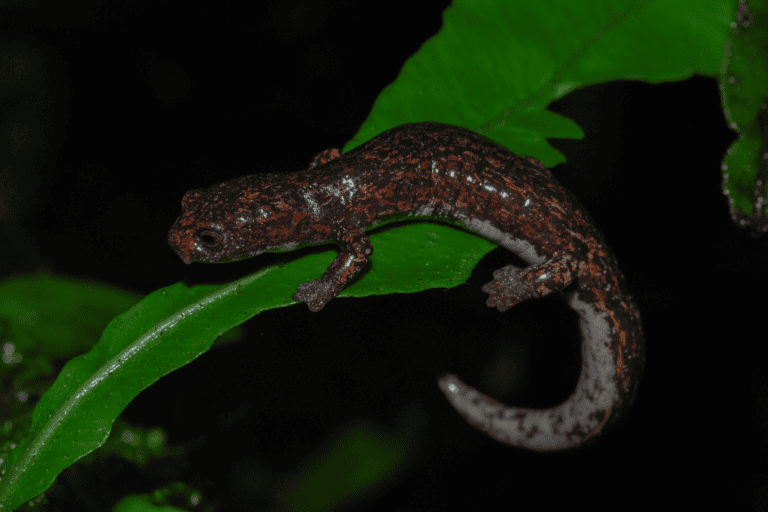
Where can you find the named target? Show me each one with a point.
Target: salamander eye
(210, 239)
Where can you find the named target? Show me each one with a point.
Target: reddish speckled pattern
(442, 172)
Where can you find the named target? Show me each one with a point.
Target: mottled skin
(446, 173)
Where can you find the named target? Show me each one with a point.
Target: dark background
(110, 111)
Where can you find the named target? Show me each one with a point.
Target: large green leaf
(493, 68)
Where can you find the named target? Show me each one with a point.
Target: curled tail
(612, 363)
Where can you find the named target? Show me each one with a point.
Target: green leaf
(162, 500)
(173, 326)
(353, 464)
(744, 87)
(495, 66)
(413, 257)
(165, 331)
(58, 316)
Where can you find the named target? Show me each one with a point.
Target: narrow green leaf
(165, 331)
(173, 326)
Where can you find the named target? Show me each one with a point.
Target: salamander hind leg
(512, 285)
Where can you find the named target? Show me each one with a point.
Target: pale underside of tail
(567, 425)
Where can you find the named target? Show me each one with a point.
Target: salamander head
(235, 220)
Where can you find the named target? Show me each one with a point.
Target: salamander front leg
(357, 249)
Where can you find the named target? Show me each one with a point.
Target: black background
(140, 101)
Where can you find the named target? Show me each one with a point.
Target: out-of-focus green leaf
(58, 316)
(744, 88)
(361, 460)
(177, 497)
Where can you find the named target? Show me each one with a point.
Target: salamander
(444, 173)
